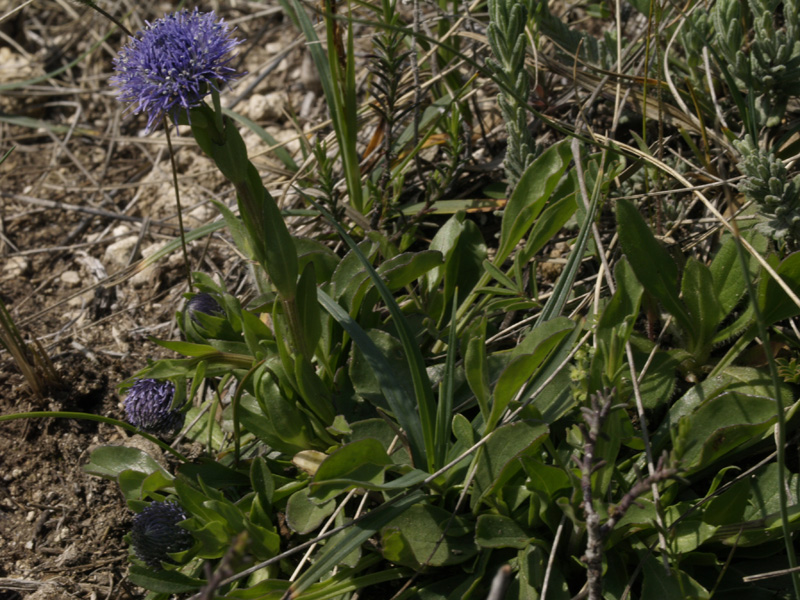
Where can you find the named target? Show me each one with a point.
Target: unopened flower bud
(155, 533)
(203, 303)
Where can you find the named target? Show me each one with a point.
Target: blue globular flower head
(174, 63)
(149, 406)
(203, 303)
(155, 533)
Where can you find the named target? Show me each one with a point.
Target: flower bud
(203, 303)
(149, 406)
(155, 533)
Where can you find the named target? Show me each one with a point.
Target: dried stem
(596, 532)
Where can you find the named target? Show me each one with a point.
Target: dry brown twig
(596, 532)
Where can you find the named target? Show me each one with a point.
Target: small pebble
(15, 266)
(70, 278)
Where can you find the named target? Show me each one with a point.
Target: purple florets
(174, 63)
(155, 533)
(149, 406)
(204, 303)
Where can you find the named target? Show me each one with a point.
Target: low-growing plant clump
(407, 399)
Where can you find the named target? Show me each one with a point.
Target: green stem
(174, 166)
(90, 417)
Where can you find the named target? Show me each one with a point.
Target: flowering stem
(217, 109)
(178, 203)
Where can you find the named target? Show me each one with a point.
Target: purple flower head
(204, 303)
(155, 533)
(149, 406)
(174, 63)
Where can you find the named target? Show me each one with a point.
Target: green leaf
(659, 585)
(136, 486)
(730, 283)
(565, 284)
(653, 265)
(530, 195)
(304, 515)
(110, 461)
(546, 479)
(623, 308)
(404, 269)
(213, 537)
(687, 527)
(163, 581)
(499, 460)
(427, 535)
(522, 368)
(255, 420)
(286, 418)
(775, 304)
(195, 502)
(272, 243)
(498, 531)
(315, 393)
(501, 277)
(213, 473)
(725, 423)
(464, 250)
(187, 348)
(728, 507)
(263, 542)
(280, 152)
(705, 311)
(476, 366)
(744, 380)
(462, 430)
(237, 230)
(351, 466)
(765, 498)
(444, 408)
(549, 223)
(533, 568)
(308, 310)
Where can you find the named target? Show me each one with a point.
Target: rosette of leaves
(767, 184)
